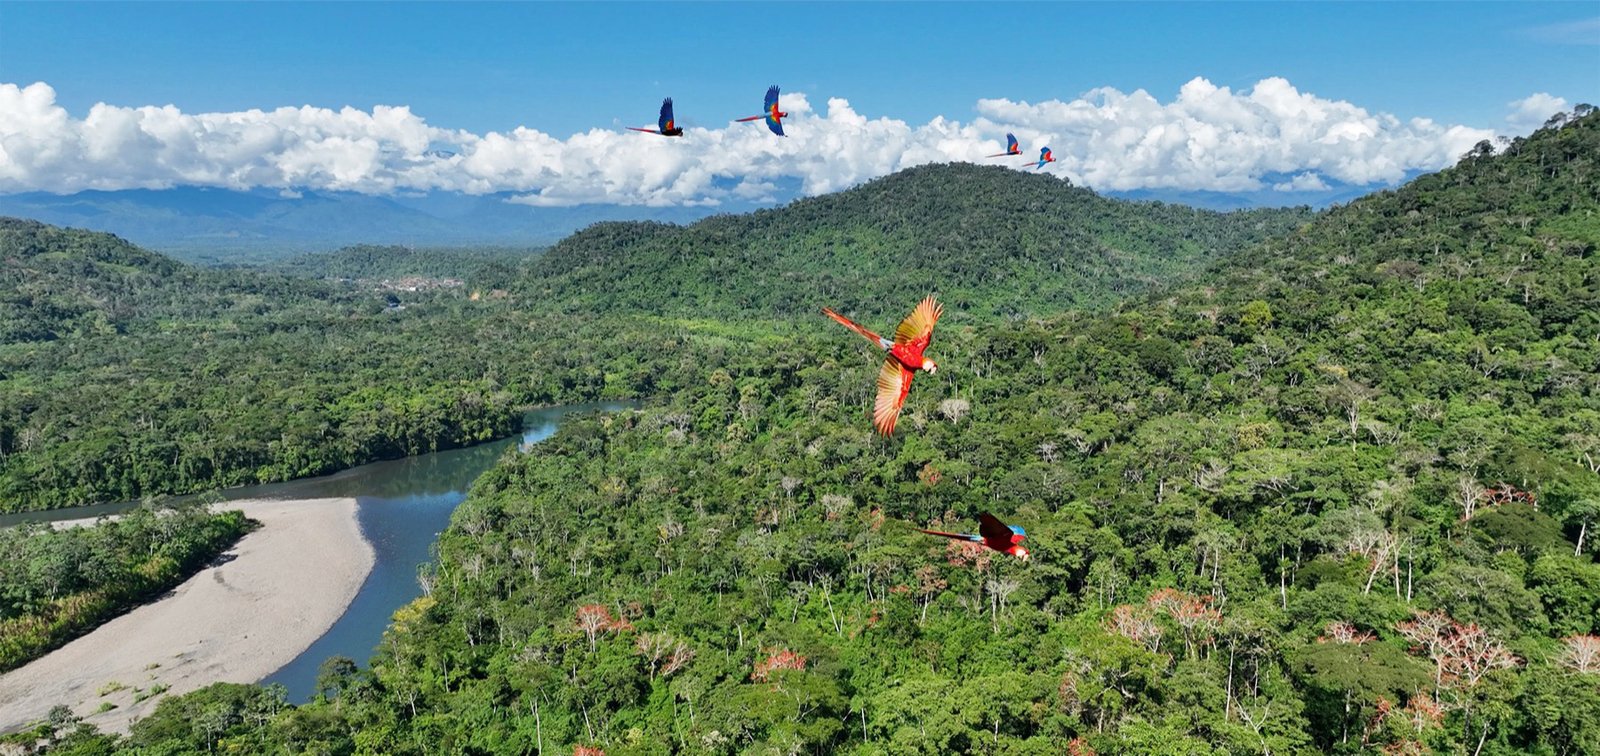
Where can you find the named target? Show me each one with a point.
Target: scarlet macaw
(772, 114)
(1012, 148)
(666, 126)
(903, 361)
(1045, 156)
(1006, 539)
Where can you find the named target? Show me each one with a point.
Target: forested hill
(1518, 227)
(492, 267)
(125, 374)
(989, 240)
(1339, 499)
(51, 278)
(61, 282)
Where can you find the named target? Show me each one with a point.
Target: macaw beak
(929, 366)
(1023, 554)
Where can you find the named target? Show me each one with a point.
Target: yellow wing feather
(893, 383)
(919, 324)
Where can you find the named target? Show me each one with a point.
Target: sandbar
(240, 619)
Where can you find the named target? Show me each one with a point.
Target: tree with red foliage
(776, 660)
(594, 619)
(1461, 654)
(1135, 624)
(1193, 615)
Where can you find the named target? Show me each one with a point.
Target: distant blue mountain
(1335, 194)
(218, 225)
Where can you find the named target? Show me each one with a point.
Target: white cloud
(1304, 182)
(1531, 112)
(1209, 137)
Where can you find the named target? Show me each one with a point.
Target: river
(402, 506)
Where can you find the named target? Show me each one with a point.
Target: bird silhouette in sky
(1006, 539)
(771, 114)
(1045, 156)
(666, 126)
(905, 357)
(1012, 148)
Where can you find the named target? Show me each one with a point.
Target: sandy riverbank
(269, 597)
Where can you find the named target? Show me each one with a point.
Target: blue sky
(563, 69)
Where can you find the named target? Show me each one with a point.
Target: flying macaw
(665, 126)
(774, 117)
(1006, 539)
(1045, 156)
(903, 361)
(1012, 148)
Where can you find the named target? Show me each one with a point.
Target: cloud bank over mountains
(1209, 138)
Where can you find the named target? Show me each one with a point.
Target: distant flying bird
(903, 361)
(773, 116)
(1006, 539)
(1012, 148)
(1045, 156)
(665, 126)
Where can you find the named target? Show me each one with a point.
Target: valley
(1292, 482)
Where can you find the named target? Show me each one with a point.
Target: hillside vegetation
(125, 374)
(482, 267)
(991, 241)
(1338, 497)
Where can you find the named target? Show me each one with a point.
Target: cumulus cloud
(1531, 112)
(1208, 138)
(1211, 137)
(1305, 182)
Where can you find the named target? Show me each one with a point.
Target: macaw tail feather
(854, 326)
(956, 536)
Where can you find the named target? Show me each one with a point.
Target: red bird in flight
(903, 361)
(1006, 539)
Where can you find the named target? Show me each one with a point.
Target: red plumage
(905, 357)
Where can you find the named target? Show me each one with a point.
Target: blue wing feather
(1011, 142)
(772, 97)
(666, 113)
(777, 128)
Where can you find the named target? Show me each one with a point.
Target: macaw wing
(666, 114)
(993, 530)
(1012, 148)
(894, 382)
(771, 99)
(917, 328)
(775, 125)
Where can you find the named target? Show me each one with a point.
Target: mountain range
(207, 225)
(212, 225)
